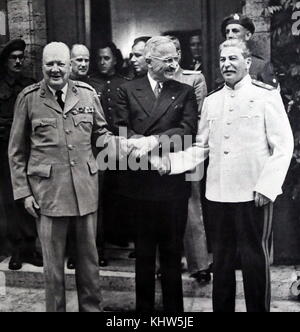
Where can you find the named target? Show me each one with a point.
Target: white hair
(153, 43)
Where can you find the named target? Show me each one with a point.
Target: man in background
(107, 81)
(241, 27)
(137, 58)
(20, 226)
(80, 63)
(195, 242)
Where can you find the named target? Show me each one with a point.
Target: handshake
(141, 148)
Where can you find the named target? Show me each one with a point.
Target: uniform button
(108, 82)
(72, 163)
(226, 152)
(108, 90)
(229, 123)
(231, 110)
(110, 109)
(109, 99)
(232, 95)
(65, 117)
(70, 147)
(227, 136)
(68, 132)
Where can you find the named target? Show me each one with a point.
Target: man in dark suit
(151, 109)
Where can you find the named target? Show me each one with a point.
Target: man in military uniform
(80, 63)
(20, 226)
(55, 174)
(107, 82)
(238, 26)
(195, 242)
(246, 133)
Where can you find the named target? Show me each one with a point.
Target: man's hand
(123, 147)
(161, 164)
(261, 200)
(142, 146)
(31, 206)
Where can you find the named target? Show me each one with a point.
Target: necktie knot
(157, 90)
(58, 95)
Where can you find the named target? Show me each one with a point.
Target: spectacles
(167, 61)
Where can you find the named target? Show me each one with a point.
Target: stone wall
(255, 9)
(27, 20)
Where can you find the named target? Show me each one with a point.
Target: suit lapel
(72, 98)
(48, 98)
(145, 95)
(168, 96)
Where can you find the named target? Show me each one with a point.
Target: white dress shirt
(64, 92)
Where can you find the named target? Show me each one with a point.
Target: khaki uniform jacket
(50, 150)
(195, 79)
(248, 138)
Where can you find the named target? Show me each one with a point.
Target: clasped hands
(140, 147)
(137, 147)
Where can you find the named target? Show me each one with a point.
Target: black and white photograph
(150, 158)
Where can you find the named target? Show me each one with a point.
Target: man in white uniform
(245, 132)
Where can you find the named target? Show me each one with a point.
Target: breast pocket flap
(43, 171)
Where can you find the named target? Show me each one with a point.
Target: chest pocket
(45, 132)
(83, 119)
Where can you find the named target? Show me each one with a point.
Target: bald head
(56, 65)
(80, 61)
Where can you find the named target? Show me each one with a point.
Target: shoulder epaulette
(83, 85)
(258, 57)
(263, 85)
(216, 90)
(191, 72)
(31, 88)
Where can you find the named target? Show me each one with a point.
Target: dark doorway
(100, 24)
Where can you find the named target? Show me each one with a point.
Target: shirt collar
(64, 91)
(153, 83)
(245, 81)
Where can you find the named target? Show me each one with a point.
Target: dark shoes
(71, 263)
(132, 255)
(203, 277)
(16, 261)
(34, 259)
(103, 261)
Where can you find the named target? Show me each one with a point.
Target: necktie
(59, 94)
(157, 90)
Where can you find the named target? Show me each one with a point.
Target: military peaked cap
(240, 19)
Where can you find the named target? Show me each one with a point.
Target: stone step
(119, 276)
(33, 300)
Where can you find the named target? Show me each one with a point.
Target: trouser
(100, 236)
(18, 225)
(53, 235)
(160, 225)
(243, 226)
(195, 245)
(117, 220)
